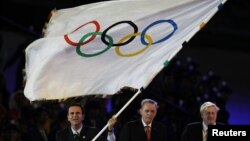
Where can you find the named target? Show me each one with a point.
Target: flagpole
(118, 113)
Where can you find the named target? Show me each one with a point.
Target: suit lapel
(153, 132)
(83, 133)
(196, 132)
(141, 131)
(70, 134)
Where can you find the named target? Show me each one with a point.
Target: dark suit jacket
(134, 131)
(193, 132)
(33, 135)
(87, 134)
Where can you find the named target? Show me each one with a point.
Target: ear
(140, 111)
(68, 117)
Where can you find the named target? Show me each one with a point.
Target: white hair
(205, 105)
(149, 101)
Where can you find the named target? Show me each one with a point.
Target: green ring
(94, 54)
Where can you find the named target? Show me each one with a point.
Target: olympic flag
(101, 47)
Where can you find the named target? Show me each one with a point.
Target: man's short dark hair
(76, 105)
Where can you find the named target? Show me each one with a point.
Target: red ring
(70, 42)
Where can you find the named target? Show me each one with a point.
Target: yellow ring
(117, 48)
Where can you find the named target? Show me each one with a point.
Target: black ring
(121, 44)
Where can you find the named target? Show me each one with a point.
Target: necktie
(147, 130)
(76, 137)
(204, 135)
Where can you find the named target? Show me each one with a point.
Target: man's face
(148, 112)
(75, 116)
(210, 115)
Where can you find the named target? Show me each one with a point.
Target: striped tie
(204, 135)
(147, 130)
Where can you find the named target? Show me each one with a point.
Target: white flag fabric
(101, 47)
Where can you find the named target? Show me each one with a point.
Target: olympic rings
(87, 41)
(121, 42)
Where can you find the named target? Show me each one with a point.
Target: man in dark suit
(39, 131)
(197, 131)
(77, 131)
(136, 130)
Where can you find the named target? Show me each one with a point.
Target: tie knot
(76, 136)
(147, 127)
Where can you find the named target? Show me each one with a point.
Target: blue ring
(154, 23)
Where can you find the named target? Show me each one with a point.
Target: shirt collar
(144, 124)
(76, 131)
(204, 126)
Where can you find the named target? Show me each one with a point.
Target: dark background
(222, 46)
